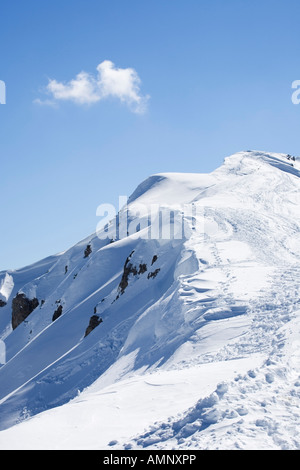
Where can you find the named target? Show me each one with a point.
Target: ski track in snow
(224, 296)
(258, 410)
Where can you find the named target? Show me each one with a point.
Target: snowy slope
(198, 334)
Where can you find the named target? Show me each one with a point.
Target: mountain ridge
(160, 304)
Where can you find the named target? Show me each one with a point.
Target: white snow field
(194, 340)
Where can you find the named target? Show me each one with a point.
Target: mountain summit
(175, 325)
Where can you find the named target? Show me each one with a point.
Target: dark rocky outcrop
(87, 251)
(21, 308)
(95, 320)
(2, 303)
(128, 269)
(142, 268)
(153, 274)
(154, 259)
(57, 313)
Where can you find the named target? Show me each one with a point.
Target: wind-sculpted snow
(210, 319)
(258, 409)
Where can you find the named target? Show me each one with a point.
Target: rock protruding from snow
(95, 320)
(87, 251)
(128, 269)
(57, 313)
(22, 307)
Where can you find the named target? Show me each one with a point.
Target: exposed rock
(154, 259)
(2, 303)
(128, 269)
(21, 308)
(57, 313)
(153, 274)
(95, 320)
(87, 251)
(142, 268)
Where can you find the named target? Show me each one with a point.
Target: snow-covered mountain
(179, 331)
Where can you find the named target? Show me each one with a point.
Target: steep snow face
(218, 287)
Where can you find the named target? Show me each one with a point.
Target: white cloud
(110, 81)
(121, 83)
(82, 89)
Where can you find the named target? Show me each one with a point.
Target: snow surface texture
(199, 341)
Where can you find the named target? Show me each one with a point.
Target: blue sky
(218, 75)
